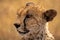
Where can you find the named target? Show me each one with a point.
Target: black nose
(17, 25)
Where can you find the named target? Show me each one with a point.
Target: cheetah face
(31, 19)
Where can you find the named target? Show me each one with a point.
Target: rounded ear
(49, 15)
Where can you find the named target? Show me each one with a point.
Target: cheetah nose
(16, 25)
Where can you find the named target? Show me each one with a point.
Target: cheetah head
(30, 18)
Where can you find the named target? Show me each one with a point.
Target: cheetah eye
(28, 15)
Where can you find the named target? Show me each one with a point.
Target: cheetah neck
(47, 31)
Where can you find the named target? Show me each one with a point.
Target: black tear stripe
(25, 29)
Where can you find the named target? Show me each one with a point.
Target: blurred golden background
(8, 10)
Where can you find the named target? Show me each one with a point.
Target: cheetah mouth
(25, 32)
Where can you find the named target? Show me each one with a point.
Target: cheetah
(32, 22)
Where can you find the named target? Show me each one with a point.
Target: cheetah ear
(49, 15)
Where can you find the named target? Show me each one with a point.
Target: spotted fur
(32, 24)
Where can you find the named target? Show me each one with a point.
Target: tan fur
(36, 24)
